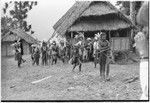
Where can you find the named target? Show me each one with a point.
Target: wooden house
(11, 37)
(90, 17)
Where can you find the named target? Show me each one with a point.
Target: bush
(120, 57)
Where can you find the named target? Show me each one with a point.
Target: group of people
(48, 53)
(65, 51)
(98, 48)
(75, 53)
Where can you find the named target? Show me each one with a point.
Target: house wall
(3, 49)
(26, 48)
(8, 50)
(120, 43)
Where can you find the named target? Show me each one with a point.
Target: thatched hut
(91, 17)
(11, 37)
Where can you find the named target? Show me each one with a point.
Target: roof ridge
(22, 34)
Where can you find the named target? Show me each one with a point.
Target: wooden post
(111, 47)
(109, 37)
(6, 50)
(71, 37)
(132, 16)
(71, 43)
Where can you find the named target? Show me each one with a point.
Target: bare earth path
(61, 83)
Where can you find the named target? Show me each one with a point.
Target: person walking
(18, 55)
(76, 59)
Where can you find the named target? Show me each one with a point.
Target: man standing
(68, 51)
(76, 58)
(89, 48)
(18, 54)
(104, 47)
(44, 53)
(62, 50)
(36, 55)
(54, 52)
(142, 41)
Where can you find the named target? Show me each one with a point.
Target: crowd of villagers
(82, 50)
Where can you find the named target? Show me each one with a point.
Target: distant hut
(91, 17)
(11, 37)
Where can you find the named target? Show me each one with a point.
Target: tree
(7, 23)
(125, 6)
(19, 12)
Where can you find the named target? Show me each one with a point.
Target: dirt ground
(63, 84)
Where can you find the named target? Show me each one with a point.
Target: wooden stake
(71, 43)
(109, 35)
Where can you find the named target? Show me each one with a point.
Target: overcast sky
(46, 14)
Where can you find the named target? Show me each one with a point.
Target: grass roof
(86, 9)
(14, 34)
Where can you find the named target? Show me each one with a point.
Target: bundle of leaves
(125, 57)
(120, 57)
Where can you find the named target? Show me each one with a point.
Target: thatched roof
(99, 24)
(70, 18)
(84, 9)
(68, 13)
(52, 36)
(98, 8)
(14, 34)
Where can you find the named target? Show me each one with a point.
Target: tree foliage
(125, 6)
(19, 12)
(7, 23)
